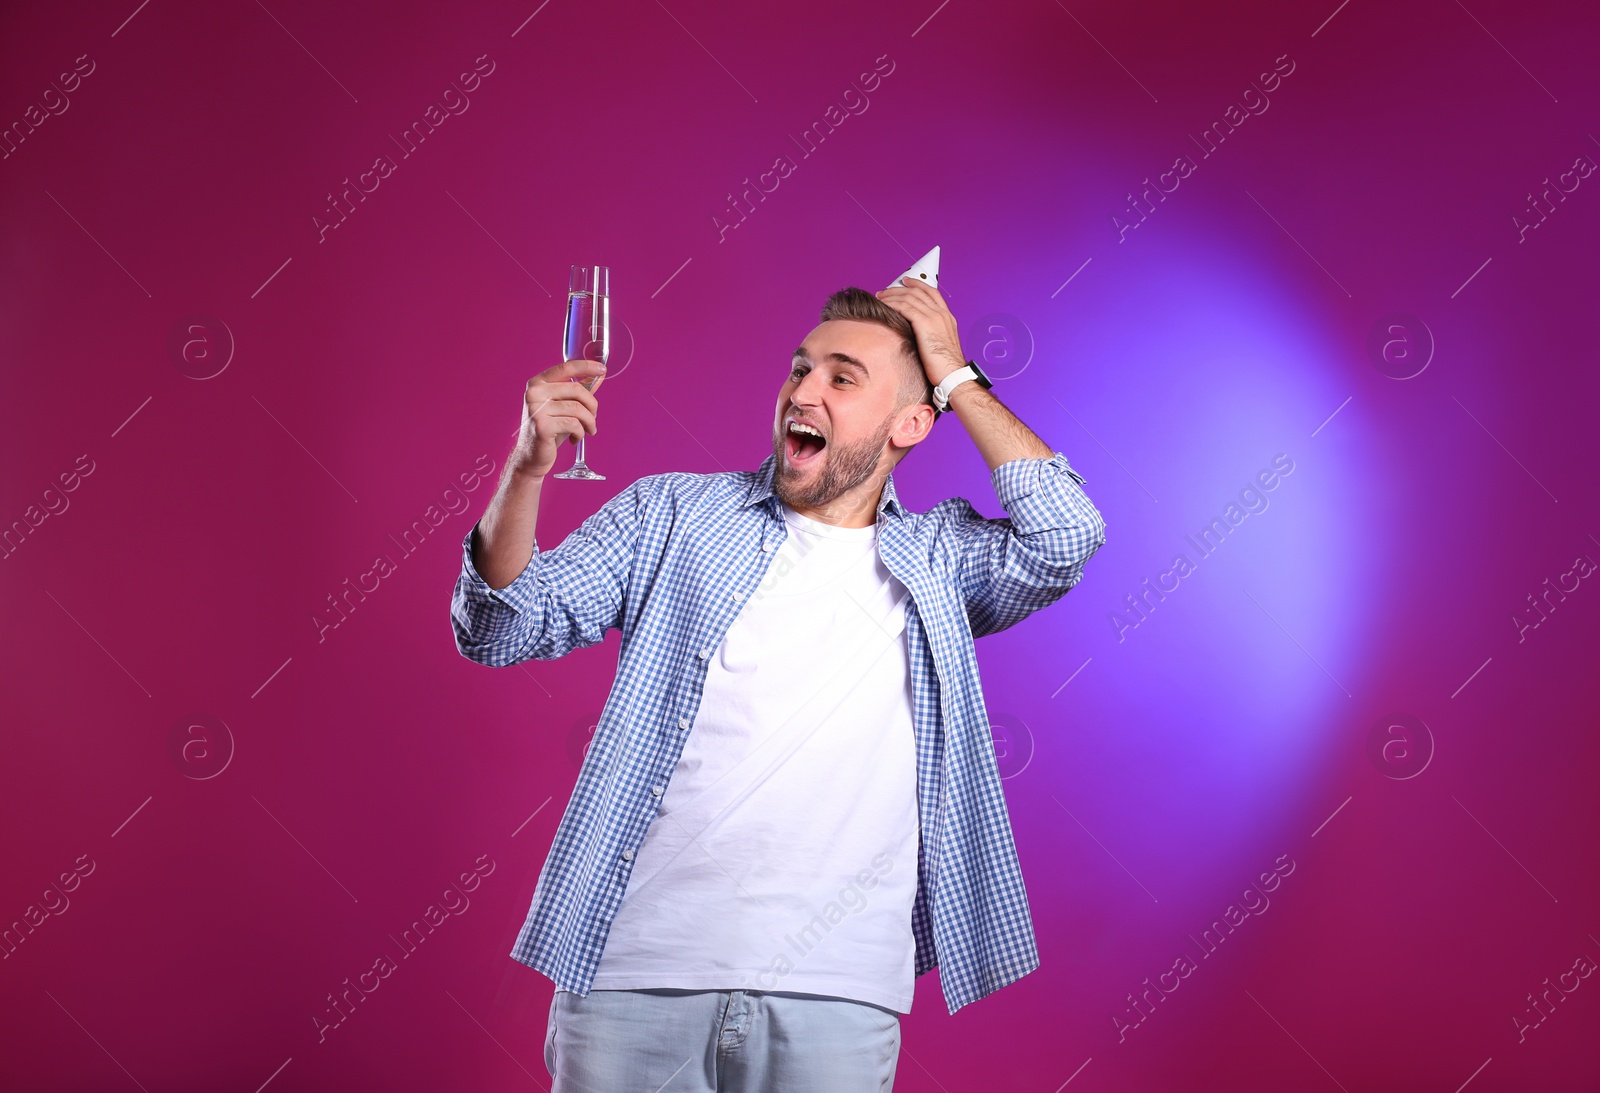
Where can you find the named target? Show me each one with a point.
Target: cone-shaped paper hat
(926, 269)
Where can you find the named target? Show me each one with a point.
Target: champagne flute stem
(589, 384)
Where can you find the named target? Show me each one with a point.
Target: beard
(843, 468)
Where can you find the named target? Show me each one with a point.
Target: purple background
(1155, 771)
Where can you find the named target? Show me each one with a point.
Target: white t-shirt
(784, 854)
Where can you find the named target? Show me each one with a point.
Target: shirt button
(683, 723)
(766, 546)
(702, 654)
(655, 791)
(737, 596)
(627, 855)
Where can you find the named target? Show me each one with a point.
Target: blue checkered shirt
(669, 561)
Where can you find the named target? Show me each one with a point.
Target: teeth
(801, 427)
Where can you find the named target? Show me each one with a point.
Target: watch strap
(941, 393)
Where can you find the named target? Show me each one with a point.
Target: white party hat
(925, 269)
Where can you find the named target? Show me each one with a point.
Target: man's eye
(845, 378)
(796, 372)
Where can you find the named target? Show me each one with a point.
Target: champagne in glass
(587, 337)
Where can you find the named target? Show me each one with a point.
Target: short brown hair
(863, 307)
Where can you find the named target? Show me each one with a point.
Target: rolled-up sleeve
(564, 599)
(1013, 566)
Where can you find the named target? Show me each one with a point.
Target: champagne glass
(587, 337)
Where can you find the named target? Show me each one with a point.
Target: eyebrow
(838, 358)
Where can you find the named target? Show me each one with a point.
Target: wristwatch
(941, 393)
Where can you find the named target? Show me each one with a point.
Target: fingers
(588, 372)
(540, 392)
(918, 298)
(574, 421)
(577, 392)
(556, 419)
(909, 304)
(918, 308)
(576, 368)
(553, 428)
(913, 288)
(936, 328)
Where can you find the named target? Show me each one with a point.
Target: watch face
(978, 372)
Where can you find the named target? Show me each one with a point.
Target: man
(791, 805)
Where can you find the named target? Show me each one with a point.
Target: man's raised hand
(937, 340)
(554, 407)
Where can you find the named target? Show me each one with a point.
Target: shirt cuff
(1018, 478)
(519, 594)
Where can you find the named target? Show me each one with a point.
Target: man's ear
(914, 426)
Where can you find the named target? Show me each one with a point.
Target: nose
(806, 393)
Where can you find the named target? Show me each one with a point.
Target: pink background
(1157, 762)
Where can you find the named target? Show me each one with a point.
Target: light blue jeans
(686, 1041)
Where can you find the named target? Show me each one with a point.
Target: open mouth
(802, 443)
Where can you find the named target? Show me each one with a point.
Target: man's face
(837, 411)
